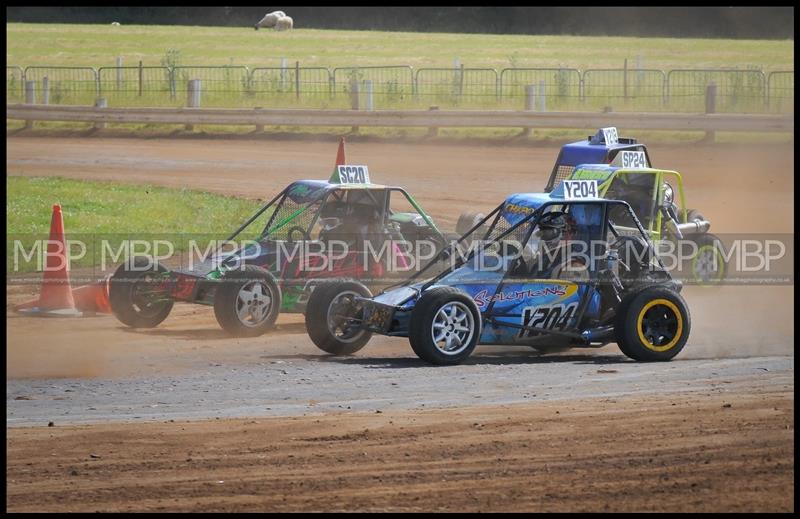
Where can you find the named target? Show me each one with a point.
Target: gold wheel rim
(678, 332)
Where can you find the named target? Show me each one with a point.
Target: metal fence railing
(221, 86)
(15, 84)
(67, 85)
(401, 86)
(740, 91)
(457, 87)
(780, 91)
(634, 89)
(393, 87)
(281, 86)
(137, 86)
(562, 86)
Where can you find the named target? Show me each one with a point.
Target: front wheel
(652, 324)
(247, 302)
(445, 326)
(332, 316)
(139, 294)
(707, 266)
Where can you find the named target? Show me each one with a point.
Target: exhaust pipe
(689, 228)
(600, 334)
(695, 227)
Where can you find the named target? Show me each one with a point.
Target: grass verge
(103, 215)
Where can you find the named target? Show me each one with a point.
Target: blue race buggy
(549, 272)
(624, 171)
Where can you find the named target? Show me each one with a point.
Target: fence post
(30, 99)
(530, 105)
(100, 103)
(283, 74)
(119, 72)
(530, 98)
(368, 91)
(711, 98)
(433, 131)
(45, 90)
(141, 74)
(625, 80)
(711, 107)
(193, 98)
(542, 107)
(297, 79)
(461, 81)
(354, 94)
(259, 127)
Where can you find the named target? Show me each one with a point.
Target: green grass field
(100, 45)
(95, 211)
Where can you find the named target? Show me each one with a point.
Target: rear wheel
(694, 214)
(445, 326)
(138, 293)
(652, 324)
(328, 317)
(247, 302)
(467, 221)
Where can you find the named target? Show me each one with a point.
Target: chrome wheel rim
(707, 265)
(338, 321)
(453, 327)
(253, 303)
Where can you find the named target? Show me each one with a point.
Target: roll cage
(326, 195)
(597, 276)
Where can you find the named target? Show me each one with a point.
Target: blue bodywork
(517, 299)
(592, 150)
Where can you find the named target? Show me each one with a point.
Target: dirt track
(677, 453)
(94, 370)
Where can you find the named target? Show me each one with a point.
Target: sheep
(270, 19)
(284, 24)
(115, 24)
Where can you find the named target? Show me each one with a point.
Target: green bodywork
(605, 177)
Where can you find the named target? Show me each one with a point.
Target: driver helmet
(552, 229)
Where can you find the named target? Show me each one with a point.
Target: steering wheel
(633, 253)
(297, 229)
(547, 218)
(519, 267)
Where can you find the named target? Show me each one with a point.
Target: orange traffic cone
(55, 297)
(93, 298)
(340, 161)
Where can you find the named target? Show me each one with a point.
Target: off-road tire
(227, 302)
(122, 297)
(422, 322)
(317, 318)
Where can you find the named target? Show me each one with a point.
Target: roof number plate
(353, 174)
(631, 159)
(578, 189)
(610, 135)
